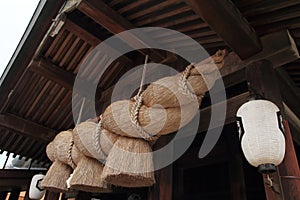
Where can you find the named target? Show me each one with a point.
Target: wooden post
(262, 82)
(178, 183)
(163, 188)
(51, 195)
(14, 195)
(3, 195)
(27, 194)
(26, 197)
(236, 171)
(83, 196)
(289, 168)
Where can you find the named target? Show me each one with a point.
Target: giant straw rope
(133, 125)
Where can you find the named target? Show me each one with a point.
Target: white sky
(14, 18)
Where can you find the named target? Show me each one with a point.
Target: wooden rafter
(279, 48)
(58, 75)
(26, 127)
(16, 178)
(63, 78)
(290, 92)
(224, 18)
(90, 38)
(115, 23)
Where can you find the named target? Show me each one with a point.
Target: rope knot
(69, 155)
(97, 135)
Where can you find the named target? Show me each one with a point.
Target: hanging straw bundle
(87, 175)
(50, 151)
(130, 163)
(76, 155)
(107, 140)
(58, 173)
(164, 107)
(64, 144)
(118, 118)
(85, 139)
(55, 179)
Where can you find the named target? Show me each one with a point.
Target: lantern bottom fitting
(267, 168)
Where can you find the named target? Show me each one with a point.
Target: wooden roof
(36, 91)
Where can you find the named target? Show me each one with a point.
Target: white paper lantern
(261, 134)
(35, 191)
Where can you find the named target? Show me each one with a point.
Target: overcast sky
(14, 18)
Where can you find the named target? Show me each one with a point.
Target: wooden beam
(226, 20)
(58, 75)
(16, 178)
(80, 32)
(105, 16)
(289, 91)
(52, 72)
(115, 23)
(27, 128)
(279, 48)
(262, 7)
(65, 79)
(90, 38)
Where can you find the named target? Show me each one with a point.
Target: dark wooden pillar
(289, 168)
(3, 195)
(263, 82)
(83, 196)
(163, 188)
(52, 195)
(27, 195)
(236, 170)
(178, 183)
(14, 195)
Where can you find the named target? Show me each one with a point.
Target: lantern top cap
(258, 104)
